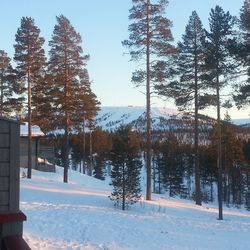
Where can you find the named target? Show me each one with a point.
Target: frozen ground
(79, 215)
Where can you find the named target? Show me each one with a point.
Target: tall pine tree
(187, 88)
(149, 41)
(242, 96)
(30, 60)
(220, 67)
(68, 77)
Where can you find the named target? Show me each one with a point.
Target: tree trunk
(90, 152)
(196, 141)
(219, 151)
(66, 127)
(29, 127)
(154, 174)
(148, 111)
(159, 181)
(84, 144)
(211, 189)
(123, 187)
(66, 155)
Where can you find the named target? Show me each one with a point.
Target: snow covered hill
(80, 216)
(110, 118)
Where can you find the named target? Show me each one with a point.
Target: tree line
(194, 72)
(54, 93)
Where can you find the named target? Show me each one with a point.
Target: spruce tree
(66, 68)
(220, 67)
(172, 165)
(149, 41)
(232, 161)
(125, 174)
(30, 59)
(101, 148)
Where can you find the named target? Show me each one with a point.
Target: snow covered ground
(79, 215)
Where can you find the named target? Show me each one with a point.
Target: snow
(79, 215)
(35, 130)
(241, 121)
(110, 117)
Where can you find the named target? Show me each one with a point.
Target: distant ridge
(111, 117)
(242, 122)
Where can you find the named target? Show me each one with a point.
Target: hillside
(79, 215)
(110, 118)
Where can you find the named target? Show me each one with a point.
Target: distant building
(36, 135)
(37, 150)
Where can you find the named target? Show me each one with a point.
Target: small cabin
(40, 154)
(36, 135)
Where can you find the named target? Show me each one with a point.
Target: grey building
(35, 147)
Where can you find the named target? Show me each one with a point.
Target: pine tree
(149, 41)
(220, 66)
(187, 86)
(101, 148)
(69, 76)
(42, 110)
(242, 50)
(209, 172)
(9, 100)
(99, 168)
(125, 158)
(30, 59)
(172, 168)
(232, 161)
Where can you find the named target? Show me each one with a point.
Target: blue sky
(103, 25)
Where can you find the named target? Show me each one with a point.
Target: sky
(103, 25)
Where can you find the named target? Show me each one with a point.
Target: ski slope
(79, 215)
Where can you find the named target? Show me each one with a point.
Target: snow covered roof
(36, 131)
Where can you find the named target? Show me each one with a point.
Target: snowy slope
(79, 215)
(245, 122)
(112, 117)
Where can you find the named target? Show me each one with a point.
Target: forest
(197, 158)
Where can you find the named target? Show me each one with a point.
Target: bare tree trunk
(154, 173)
(148, 111)
(211, 189)
(84, 144)
(219, 152)
(196, 141)
(29, 127)
(66, 155)
(90, 152)
(159, 181)
(123, 187)
(66, 127)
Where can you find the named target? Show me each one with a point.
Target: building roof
(36, 131)
(9, 120)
